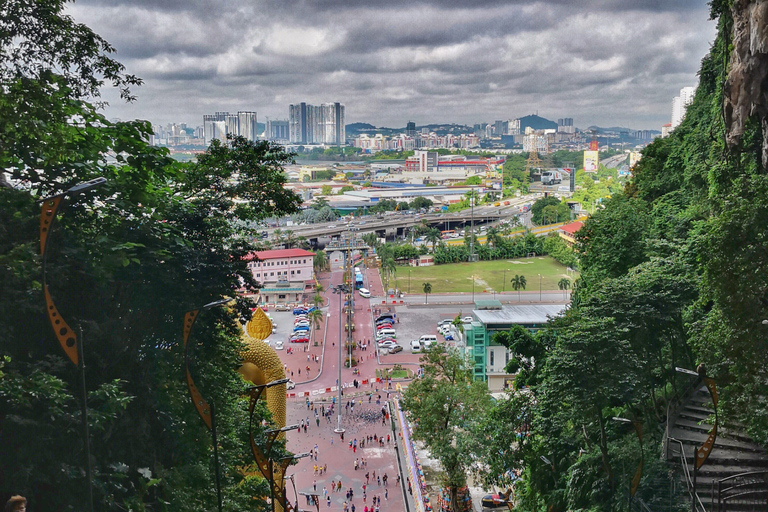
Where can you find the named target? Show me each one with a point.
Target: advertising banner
(591, 161)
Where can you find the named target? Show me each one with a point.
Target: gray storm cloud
(600, 62)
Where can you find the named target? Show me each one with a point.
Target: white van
(386, 333)
(365, 293)
(415, 346)
(427, 340)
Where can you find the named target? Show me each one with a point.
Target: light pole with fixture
(64, 333)
(701, 453)
(539, 287)
(639, 471)
(206, 411)
(340, 291)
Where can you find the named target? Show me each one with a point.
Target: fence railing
(699, 506)
(745, 491)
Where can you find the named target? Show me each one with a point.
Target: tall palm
(320, 261)
(318, 300)
(278, 236)
(303, 242)
(492, 236)
(433, 236)
(371, 240)
(427, 287)
(319, 288)
(388, 269)
(315, 316)
(290, 238)
(518, 283)
(564, 284)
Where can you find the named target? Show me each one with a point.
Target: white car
(387, 344)
(268, 341)
(467, 320)
(290, 384)
(278, 345)
(301, 322)
(365, 293)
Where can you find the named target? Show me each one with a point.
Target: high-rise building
(680, 105)
(565, 125)
(248, 127)
(323, 124)
(277, 130)
(410, 129)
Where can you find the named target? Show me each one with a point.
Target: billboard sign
(591, 160)
(594, 145)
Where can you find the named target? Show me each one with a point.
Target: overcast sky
(603, 62)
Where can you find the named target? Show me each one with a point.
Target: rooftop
(523, 315)
(572, 228)
(279, 253)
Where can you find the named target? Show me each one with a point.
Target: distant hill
(356, 127)
(537, 123)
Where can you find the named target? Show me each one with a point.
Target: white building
(287, 275)
(680, 105)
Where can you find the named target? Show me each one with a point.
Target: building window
(291, 272)
(507, 358)
(491, 357)
(271, 273)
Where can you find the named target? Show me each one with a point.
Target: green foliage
(445, 405)
(163, 238)
(346, 188)
(556, 247)
(549, 210)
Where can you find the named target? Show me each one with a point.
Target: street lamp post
(539, 287)
(473, 288)
(64, 333)
(340, 291)
(409, 281)
(504, 284)
(206, 411)
(639, 471)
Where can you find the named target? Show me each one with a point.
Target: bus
(358, 281)
(447, 233)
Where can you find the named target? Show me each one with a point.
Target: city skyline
(428, 61)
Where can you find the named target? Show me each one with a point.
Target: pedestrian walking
(328, 501)
(352, 508)
(386, 494)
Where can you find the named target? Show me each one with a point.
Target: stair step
(699, 409)
(698, 438)
(696, 426)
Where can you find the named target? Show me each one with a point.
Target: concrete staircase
(718, 486)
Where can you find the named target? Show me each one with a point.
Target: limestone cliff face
(746, 88)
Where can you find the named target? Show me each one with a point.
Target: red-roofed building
(568, 232)
(287, 275)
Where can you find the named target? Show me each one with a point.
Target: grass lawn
(488, 275)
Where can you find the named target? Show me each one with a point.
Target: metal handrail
(687, 472)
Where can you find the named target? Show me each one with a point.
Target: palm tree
(427, 287)
(433, 236)
(492, 236)
(290, 238)
(319, 288)
(371, 240)
(320, 261)
(388, 268)
(518, 283)
(278, 236)
(564, 284)
(303, 242)
(315, 316)
(318, 300)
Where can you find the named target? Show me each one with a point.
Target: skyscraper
(248, 127)
(310, 124)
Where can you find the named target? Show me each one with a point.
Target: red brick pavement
(334, 452)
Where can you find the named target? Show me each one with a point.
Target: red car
(383, 326)
(299, 339)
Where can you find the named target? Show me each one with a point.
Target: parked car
(300, 339)
(290, 385)
(383, 326)
(387, 344)
(268, 341)
(282, 307)
(299, 311)
(278, 345)
(467, 320)
(385, 316)
(395, 350)
(493, 501)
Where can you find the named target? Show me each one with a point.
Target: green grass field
(488, 275)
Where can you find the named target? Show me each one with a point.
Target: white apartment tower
(310, 124)
(680, 104)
